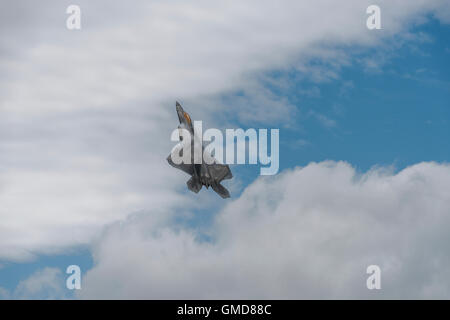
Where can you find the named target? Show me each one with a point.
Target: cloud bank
(310, 232)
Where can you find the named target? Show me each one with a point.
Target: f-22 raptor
(203, 174)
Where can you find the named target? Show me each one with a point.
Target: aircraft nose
(178, 107)
(179, 112)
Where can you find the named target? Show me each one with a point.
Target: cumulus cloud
(309, 232)
(86, 115)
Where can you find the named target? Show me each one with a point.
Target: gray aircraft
(208, 175)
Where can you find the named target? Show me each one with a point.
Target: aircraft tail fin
(194, 185)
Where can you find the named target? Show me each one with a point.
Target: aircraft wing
(221, 190)
(188, 168)
(219, 171)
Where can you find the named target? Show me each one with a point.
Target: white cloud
(309, 232)
(199, 49)
(323, 119)
(86, 116)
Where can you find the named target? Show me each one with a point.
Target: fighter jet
(208, 175)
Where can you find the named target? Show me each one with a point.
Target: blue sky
(90, 179)
(395, 115)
